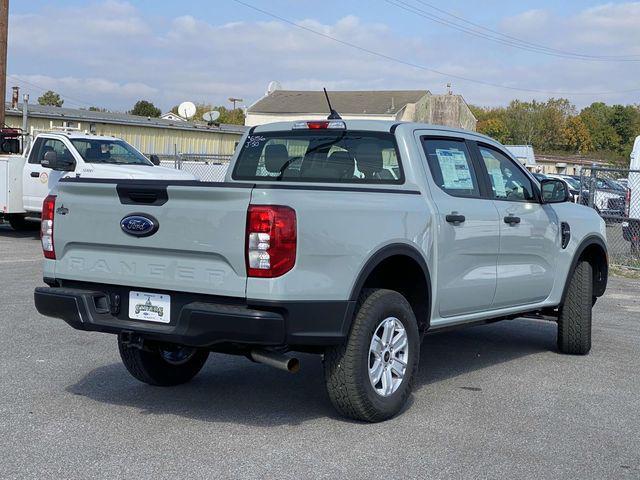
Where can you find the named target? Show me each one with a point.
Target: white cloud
(110, 54)
(83, 92)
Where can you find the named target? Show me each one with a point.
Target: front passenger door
(528, 232)
(37, 180)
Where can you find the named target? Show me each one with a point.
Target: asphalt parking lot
(490, 402)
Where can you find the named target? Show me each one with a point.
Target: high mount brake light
(271, 240)
(46, 227)
(320, 125)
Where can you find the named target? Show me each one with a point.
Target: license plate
(152, 307)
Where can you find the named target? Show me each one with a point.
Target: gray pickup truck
(349, 239)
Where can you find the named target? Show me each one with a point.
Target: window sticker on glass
(455, 169)
(254, 141)
(497, 181)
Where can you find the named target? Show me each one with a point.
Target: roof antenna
(333, 115)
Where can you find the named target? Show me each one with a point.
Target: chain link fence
(615, 195)
(206, 167)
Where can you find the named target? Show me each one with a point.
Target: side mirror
(154, 159)
(52, 161)
(554, 190)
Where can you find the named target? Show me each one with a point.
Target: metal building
(149, 135)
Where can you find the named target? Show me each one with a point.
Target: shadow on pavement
(6, 231)
(231, 389)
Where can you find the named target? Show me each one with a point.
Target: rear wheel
(574, 319)
(162, 366)
(370, 376)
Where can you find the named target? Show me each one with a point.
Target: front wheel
(574, 319)
(369, 377)
(162, 366)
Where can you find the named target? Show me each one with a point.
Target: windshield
(336, 156)
(607, 184)
(573, 183)
(109, 151)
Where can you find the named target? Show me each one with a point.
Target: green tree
(51, 98)
(576, 136)
(553, 117)
(145, 108)
(553, 126)
(520, 119)
(625, 120)
(494, 128)
(538, 123)
(596, 118)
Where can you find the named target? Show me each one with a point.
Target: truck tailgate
(198, 247)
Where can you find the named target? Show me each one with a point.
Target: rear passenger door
(528, 231)
(467, 231)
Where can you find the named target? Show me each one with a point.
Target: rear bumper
(200, 320)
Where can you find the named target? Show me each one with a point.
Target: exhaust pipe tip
(276, 360)
(293, 365)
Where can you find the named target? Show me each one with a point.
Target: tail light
(271, 240)
(627, 203)
(46, 227)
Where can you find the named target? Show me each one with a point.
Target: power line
(66, 98)
(507, 40)
(422, 67)
(524, 42)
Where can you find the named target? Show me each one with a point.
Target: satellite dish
(187, 110)
(273, 86)
(211, 116)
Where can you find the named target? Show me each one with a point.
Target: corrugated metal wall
(146, 139)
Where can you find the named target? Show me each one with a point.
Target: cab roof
(373, 126)
(74, 135)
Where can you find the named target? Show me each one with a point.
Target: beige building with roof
(401, 105)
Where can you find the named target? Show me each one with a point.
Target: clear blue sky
(111, 52)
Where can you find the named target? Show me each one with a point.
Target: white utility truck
(25, 180)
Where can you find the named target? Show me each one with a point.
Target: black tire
(20, 223)
(346, 366)
(574, 319)
(156, 367)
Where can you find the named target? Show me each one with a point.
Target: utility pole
(4, 29)
(235, 100)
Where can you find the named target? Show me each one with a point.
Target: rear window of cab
(324, 156)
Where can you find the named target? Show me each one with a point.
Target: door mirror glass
(52, 161)
(554, 190)
(155, 159)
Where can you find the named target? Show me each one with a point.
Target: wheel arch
(378, 272)
(594, 250)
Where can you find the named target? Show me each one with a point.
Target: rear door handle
(511, 220)
(455, 218)
(35, 174)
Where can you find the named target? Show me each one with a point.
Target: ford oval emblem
(139, 225)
